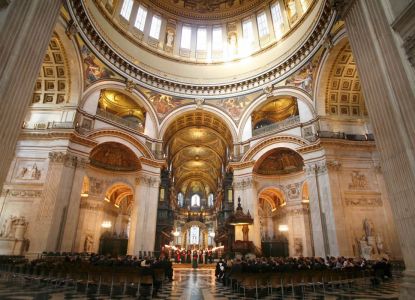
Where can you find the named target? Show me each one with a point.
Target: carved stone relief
(14, 227)
(359, 181)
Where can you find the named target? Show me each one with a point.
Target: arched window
(180, 199)
(195, 200)
(210, 200)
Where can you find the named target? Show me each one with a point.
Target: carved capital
(67, 159)
(342, 6)
(244, 183)
(333, 165)
(150, 181)
(319, 167)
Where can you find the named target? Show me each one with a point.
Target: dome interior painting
(115, 157)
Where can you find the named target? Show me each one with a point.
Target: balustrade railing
(130, 124)
(277, 126)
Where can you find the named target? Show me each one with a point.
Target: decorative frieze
(363, 199)
(67, 159)
(292, 211)
(23, 193)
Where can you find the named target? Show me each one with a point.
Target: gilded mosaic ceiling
(197, 144)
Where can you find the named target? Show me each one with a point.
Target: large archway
(198, 147)
(284, 217)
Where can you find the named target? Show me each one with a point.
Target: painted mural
(93, 68)
(304, 78)
(163, 104)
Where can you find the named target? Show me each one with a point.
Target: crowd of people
(382, 269)
(205, 256)
(145, 265)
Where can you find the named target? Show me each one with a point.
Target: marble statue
(88, 243)
(14, 227)
(371, 243)
(170, 38)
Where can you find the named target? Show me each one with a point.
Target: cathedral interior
(279, 128)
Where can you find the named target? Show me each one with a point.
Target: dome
(204, 48)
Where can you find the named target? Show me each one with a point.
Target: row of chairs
(286, 281)
(85, 277)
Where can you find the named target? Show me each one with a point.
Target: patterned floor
(190, 284)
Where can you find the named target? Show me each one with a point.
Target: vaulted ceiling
(197, 144)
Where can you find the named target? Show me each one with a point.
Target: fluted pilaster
(144, 215)
(51, 213)
(24, 36)
(391, 105)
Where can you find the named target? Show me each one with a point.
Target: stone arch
(90, 98)
(337, 90)
(130, 141)
(170, 119)
(288, 141)
(305, 103)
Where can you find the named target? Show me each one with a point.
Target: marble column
(144, 214)
(25, 31)
(389, 98)
(321, 210)
(51, 214)
(72, 216)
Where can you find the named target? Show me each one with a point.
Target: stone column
(390, 101)
(25, 31)
(144, 214)
(51, 214)
(72, 216)
(321, 210)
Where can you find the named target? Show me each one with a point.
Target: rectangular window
(262, 25)
(155, 27)
(186, 37)
(277, 18)
(201, 39)
(126, 8)
(248, 31)
(140, 21)
(217, 39)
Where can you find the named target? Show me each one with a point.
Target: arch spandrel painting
(115, 157)
(280, 161)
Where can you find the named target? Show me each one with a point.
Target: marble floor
(190, 284)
